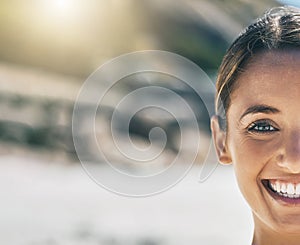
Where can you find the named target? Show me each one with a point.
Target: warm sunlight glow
(62, 5)
(61, 8)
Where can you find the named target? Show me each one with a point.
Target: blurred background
(48, 49)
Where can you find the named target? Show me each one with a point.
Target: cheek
(246, 158)
(251, 152)
(250, 157)
(247, 163)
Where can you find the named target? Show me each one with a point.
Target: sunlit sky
(291, 2)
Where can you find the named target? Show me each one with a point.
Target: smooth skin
(262, 141)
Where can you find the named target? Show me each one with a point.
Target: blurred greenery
(75, 36)
(49, 47)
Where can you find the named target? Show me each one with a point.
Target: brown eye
(262, 127)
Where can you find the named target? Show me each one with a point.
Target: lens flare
(62, 8)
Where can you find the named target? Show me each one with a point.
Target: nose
(291, 156)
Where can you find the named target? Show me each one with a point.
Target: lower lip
(281, 199)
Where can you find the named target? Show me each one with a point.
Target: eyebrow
(260, 109)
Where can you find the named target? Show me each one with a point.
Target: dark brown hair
(279, 28)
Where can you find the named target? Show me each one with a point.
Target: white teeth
(298, 189)
(273, 186)
(278, 186)
(289, 190)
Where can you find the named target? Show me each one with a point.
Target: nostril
(290, 166)
(290, 160)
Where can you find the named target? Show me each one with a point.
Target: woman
(257, 123)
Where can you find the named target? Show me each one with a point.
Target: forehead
(269, 76)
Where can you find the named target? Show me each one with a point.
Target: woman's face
(263, 138)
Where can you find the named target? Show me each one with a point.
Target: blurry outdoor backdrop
(48, 48)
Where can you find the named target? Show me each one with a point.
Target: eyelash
(262, 127)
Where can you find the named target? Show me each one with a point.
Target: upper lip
(290, 179)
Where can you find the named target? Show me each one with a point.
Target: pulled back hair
(279, 28)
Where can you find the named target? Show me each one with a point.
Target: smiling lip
(285, 192)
